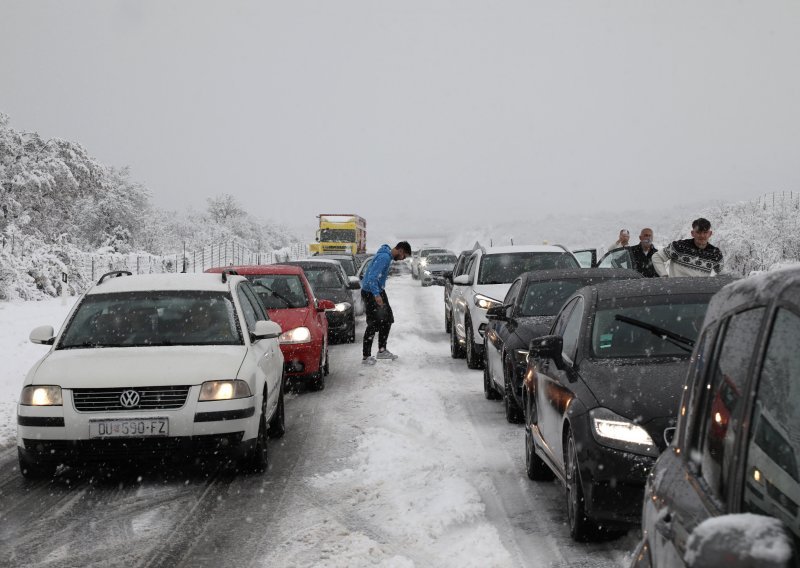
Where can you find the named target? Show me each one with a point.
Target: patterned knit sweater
(684, 258)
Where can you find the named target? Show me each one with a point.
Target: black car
(603, 388)
(736, 449)
(528, 311)
(329, 282)
(458, 269)
(348, 262)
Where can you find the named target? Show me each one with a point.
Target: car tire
(277, 424)
(474, 360)
(535, 467)
(326, 368)
(513, 411)
(456, 349)
(351, 336)
(318, 380)
(31, 469)
(447, 321)
(488, 388)
(581, 527)
(257, 459)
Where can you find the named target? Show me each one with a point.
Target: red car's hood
(289, 318)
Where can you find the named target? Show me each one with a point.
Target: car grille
(150, 398)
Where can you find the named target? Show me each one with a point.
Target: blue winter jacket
(375, 277)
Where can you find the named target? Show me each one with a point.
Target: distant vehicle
(528, 310)
(419, 261)
(435, 266)
(728, 487)
(329, 282)
(340, 233)
(290, 302)
(147, 367)
(488, 276)
(602, 392)
(350, 265)
(458, 269)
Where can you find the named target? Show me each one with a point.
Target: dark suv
(727, 490)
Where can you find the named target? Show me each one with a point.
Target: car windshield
(337, 236)
(441, 259)
(682, 316)
(348, 265)
(428, 252)
(153, 318)
(503, 268)
(323, 277)
(279, 291)
(546, 298)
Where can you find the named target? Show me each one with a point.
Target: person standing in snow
(642, 254)
(622, 241)
(690, 257)
(376, 304)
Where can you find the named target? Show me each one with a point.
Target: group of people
(687, 257)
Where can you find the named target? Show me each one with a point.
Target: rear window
(323, 276)
(504, 268)
(279, 291)
(153, 318)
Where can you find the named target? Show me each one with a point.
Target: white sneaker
(369, 361)
(386, 354)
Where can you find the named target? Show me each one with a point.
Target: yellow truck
(340, 233)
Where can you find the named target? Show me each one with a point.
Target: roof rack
(114, 274)
(226, 272)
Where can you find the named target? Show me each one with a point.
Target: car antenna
(113, 274)
(226, 272)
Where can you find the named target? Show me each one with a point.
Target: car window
(250, 316)
(722, 413)
(512, 293)
(503, 268)
(698, 367)
(772, 476)
(441, 259)
(258, 305)
(459, 268)
(471, 268)
(546, 298)
(153, 318)
(584, 258)
(324, 277)
(563, 317)
(616, 259)
(572, 330)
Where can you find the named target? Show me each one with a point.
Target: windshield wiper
(92, 345)
(675, 338)
(274, 293)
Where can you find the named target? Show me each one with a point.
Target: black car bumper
(341, 325)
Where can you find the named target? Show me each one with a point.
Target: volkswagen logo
(129, 398)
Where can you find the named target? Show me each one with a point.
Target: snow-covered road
(402, 464)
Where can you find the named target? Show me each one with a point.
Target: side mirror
(265, 330)
(353, 283)
(740, 540)
(325, 305)
(497, 312)
(43, 335)
(548, 347)
(462, 280)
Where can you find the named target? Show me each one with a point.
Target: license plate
(129, 428)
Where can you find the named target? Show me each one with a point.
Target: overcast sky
(417, 113)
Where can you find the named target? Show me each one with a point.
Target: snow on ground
(17, 319)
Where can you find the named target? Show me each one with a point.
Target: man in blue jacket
(379, 313)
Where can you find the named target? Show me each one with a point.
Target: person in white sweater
(690, 257)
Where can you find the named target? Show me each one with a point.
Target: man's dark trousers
(379, 320)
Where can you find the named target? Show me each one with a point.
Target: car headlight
(423, 262)
(342, 307)
(427, 272)
(521, 356)
(296, 335)
(224, 390)
(615, 431)
(41, 395)
(485, 302)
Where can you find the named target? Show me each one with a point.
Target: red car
(290, 302)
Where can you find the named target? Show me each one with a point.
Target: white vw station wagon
(153, 367)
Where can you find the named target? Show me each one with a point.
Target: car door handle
(664, 526)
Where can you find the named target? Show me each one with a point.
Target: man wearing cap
(690, 257)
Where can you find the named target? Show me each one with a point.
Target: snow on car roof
(524, 248)
(200, 281)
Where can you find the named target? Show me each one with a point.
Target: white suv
(154, 366)
(488, 276)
